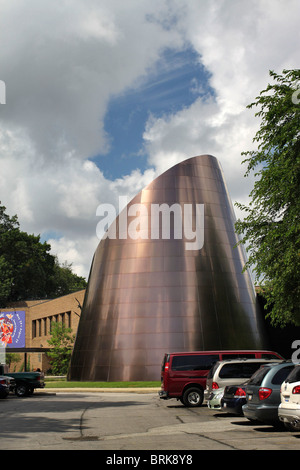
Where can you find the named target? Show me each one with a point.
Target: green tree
(27, 269)
(12, 358)
(61, 343)
(64, 281)
(271, 226)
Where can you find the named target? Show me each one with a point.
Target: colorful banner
(12, 329)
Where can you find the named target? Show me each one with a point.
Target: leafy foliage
(27, 269)
(60, 354)
(270, 229)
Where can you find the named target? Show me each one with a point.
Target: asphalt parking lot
(128, 421)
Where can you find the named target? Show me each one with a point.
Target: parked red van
(183, 374)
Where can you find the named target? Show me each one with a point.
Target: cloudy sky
(102, 96)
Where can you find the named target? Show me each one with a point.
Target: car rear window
(194, 362)
(281, 375)
(237, 370)
(258, 376)
(294, 375)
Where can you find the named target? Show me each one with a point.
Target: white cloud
(238, 44)
(62, 61)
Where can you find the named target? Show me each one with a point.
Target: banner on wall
(12, 329)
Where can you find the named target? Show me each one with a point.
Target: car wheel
(192, 397)
(21, 390)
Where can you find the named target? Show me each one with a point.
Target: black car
(234, 398)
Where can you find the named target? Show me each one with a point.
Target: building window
(45, 326)
(39, 327)
(34, 328)
(68, 319)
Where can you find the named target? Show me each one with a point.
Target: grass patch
(66, 384)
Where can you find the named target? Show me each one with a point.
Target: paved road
(128, 421)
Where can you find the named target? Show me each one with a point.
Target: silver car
(233, 372)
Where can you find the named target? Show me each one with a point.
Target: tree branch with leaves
(61, 343)
(271, 226)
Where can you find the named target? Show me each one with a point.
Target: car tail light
(296, 390)
(214, 385)
(264, 393)
(2, 381)
(239, 393)
(166, 366)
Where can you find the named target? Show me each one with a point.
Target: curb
(99, 390)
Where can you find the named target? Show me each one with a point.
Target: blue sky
(174, 82)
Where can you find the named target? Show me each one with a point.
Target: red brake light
(264, 393)
(296, 390)
(166, 366)
(214, 385)
(2, 381)
(239, 393)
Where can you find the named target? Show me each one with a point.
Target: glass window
(242, 370)
(238, 370)
(270, 356)
(250, 368)
(231, 370)
(258, 376)
(237, 355)
(33, 328)
(281, 375)
(194, 362)
(294, 376)
(212, 370)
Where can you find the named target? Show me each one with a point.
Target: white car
(289, 408)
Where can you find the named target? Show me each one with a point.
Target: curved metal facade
(149, 296)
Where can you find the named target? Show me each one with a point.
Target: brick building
(39, 315)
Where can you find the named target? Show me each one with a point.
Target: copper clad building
(153, 291)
